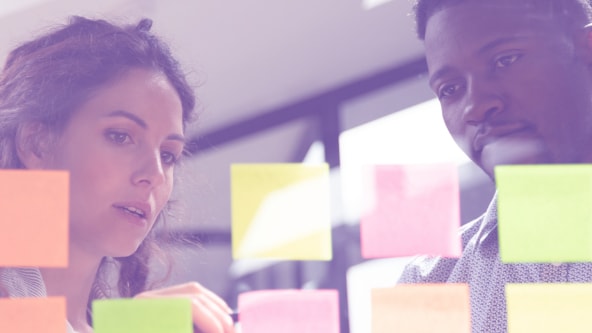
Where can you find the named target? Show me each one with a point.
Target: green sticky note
(549, 308)
(281, 211)
(153, 315)
(545, 213)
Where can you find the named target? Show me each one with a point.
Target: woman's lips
(135, 212)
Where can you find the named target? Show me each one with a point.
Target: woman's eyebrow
(176, 137)
(142, 123)
(130, 116)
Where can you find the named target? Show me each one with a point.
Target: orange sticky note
(34, 223)
(289, 311)
(546, 308)
(33, 315)
(413, 209)
(281, 211)
(421, 308)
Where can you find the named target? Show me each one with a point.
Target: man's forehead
(478, 20)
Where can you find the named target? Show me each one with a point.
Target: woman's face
(120, 148)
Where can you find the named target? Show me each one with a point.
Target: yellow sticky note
(281, 211)
(549, 308)
(33, 315)
(545, 213)
(145, 315)
(34, 223)
(421, 308)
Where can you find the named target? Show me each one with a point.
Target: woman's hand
(210, 312)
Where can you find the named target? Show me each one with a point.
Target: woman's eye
(168, 158)
(118, 137)
(507, 60)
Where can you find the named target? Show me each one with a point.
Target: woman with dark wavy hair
(109, 104)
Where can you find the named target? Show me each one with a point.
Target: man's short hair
(570, 14)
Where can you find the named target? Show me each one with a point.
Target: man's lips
(489, 134)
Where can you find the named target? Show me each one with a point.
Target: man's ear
(585, 41)
(33, 143)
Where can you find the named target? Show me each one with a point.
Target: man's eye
(507, 60)
(448, 90)
(118, 137)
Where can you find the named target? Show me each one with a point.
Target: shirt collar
(488, 229)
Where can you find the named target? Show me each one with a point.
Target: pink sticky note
(289, 311)
(34, 223)
(33, 315)
(412, 209)
(421, 308)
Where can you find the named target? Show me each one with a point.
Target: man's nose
(483, 100)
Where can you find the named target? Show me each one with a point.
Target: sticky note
(549, 308)
(545, 213)
(281, 211)
(143, 315)
(33, 315)
(411, 209)
(421, 308)
(34, 223)
(289, 311)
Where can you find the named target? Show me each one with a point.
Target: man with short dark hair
(514, 79)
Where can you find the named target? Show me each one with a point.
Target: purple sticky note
(414, 209)
(289, 311)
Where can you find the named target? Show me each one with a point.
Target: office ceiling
(249, 56)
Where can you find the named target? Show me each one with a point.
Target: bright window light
(371, 4)
(416, 135)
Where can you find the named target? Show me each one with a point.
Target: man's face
(513, 86)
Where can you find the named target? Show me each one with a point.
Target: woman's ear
(33, 142)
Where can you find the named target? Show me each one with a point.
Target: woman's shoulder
(21, 282)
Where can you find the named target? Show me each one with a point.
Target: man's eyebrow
(128, 115)
(499, 41)
(483, 49)
(438, 74)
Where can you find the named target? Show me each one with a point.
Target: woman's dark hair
(570, 14)
(44, 81)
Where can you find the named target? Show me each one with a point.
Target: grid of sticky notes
(281, 211)
(545, 216)
(34, 224)
(410, 209)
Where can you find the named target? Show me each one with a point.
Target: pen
(233, 315)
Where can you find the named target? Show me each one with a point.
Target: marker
(234, 316)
